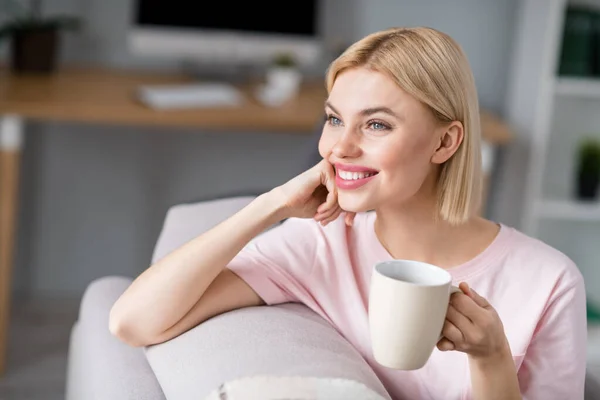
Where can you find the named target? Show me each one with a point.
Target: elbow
(123, 330)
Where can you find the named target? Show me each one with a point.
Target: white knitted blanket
(293, 388)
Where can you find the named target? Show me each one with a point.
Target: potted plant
(588, 169)
(34, 39)
(282, 81)
(284, 73)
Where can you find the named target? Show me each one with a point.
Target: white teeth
(352, 176)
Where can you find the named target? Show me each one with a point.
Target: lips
(353, 176)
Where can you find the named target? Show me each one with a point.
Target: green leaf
(593, 313)
(284, 60)
(589, 156)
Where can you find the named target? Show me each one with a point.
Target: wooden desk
(108, 97)
(100, 96)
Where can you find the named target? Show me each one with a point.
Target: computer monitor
(238, 32)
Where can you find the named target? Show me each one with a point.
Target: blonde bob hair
(430, 66)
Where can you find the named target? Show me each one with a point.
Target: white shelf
(569, 209)
(588, 88)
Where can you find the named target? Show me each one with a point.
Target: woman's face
(383, 143)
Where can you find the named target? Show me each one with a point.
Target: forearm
(166, 291)
(495, 379)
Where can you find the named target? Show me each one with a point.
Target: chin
(354, 202)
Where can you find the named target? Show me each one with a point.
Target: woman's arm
(555, 362)
(190, 284)
(171, 289)
(473, 326)
(495, 378)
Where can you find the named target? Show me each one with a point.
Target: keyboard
(186, 96)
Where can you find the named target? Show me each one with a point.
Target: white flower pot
(284, 79)
(281, 85)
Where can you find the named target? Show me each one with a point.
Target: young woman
(402, 139)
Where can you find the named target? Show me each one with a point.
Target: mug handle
(453, 289)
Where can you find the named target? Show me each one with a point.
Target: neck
(413, 232)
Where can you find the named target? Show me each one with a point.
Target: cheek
(326, 143)
(409, 158)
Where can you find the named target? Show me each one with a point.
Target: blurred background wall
(94, 197)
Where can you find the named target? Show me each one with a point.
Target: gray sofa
(284, 340)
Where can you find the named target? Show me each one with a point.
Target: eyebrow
(367, 111)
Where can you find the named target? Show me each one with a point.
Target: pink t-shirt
(537, 291)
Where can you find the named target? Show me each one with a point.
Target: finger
(333, 217)
(319, 195)
(452, 333)
(445, 345)
(323, 212)
(327, 205)
(464, 287)
(467, 307)
(462, 322)
(328, 180)
(349, 218)
(478, 299)
(327, 213)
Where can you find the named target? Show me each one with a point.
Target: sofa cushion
(283, 340)
(262, 387)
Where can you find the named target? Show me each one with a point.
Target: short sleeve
(554, 366)
(278, 263)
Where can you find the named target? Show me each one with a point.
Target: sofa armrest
(100, 366)
(282, 340)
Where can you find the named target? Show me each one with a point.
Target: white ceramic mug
(408, 301)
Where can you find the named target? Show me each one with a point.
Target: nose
(347, 145)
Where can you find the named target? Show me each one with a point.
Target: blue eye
(378, 126)
(333, 121)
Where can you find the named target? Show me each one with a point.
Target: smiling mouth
(354, 176)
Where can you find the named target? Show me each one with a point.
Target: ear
(449, 138)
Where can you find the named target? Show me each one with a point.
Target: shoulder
(530, 283)
(534, 257)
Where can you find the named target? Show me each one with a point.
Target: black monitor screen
(298, 17)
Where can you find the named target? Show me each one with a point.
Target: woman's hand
(472, 326)
(313, 194)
